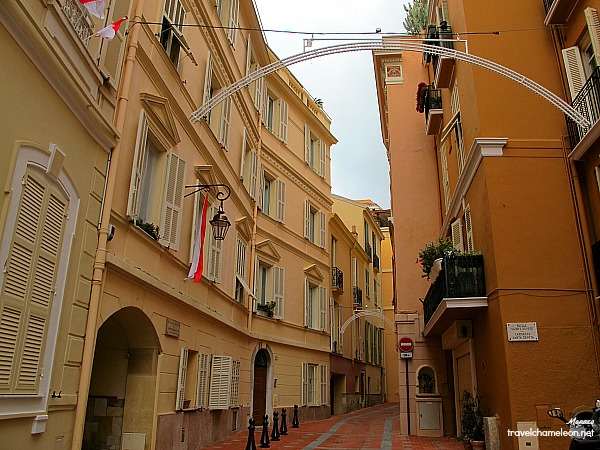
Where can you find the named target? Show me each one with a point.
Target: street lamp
(220, 223)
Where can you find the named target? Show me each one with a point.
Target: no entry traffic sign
(406, 344)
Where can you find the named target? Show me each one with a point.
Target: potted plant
(426, 383)
(267, 307)
(149, 228)
(471, 421)
(432, 252)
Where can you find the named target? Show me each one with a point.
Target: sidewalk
(371, 428)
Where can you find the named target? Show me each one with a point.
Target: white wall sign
(522, 331)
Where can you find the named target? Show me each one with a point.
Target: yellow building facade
(488, 167)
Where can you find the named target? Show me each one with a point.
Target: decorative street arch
(367, 312)
(393, 46)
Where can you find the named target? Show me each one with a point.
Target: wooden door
(260, 394)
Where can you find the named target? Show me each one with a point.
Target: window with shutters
(470, 247)
(270, 287)
(240, 269)
(445, 178)
(219, 118)
(276, 116)
(376, 292)
(228, 12)
(315, 152)
(249, 166)
(112, 51)
(324, 376)
(214, 248)
(156, 188)
(337, 320)
(315, 224)
(224, 382)
(457, 235)
(192, 380)
(315, 306)
(272, 196)
(171, 33)
(367, 283)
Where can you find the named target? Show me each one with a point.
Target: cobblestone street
(370, 428)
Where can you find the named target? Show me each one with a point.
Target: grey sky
(345, 83)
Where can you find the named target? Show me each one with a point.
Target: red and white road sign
(406, 344)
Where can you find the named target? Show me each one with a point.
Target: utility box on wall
(134, 441)
(429, 415)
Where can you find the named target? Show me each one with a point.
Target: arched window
(426, 381)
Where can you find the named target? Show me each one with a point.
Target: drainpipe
(254, 227)
(100, 259)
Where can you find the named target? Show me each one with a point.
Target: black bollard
(251, 445)
(295, 423)
(264, 439)
(283, 428)
(275, 432)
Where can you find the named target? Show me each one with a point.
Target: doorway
(259, 397)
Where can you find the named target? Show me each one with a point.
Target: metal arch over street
(364, 313)
(393, 46)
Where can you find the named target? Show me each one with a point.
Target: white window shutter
(225, 122)
(208, 78)
(323, 229)
(173, 202)
(322, 308)
(324, 376)
(280, 201)
(256, 281)
(593, 23)
(306, 219)
(240, 265)
(445, 178)
(253, 174)
(457, 235)
(133, 202)
(203, 379)
(220, 382)
(574, 69)
(259, 93)
(183, 358)
(261, 189)
(322, 159)
(249, 54)
(235, 384)
(283, 121)
(304, 399)
(354, 272)
(469, 229)
(111, 52)
(233, 22)
(279, 291)
(244, 152)
(339, 329)
(307, 142)
(307, 308)
(215, 253)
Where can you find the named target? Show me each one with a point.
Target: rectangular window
(270, 112)
(283, 121)
(192, 384)
(367, 283)
(315, 221)
(324, 377)
(315, 302)
(240, 269)
(315, 152)
(215, 250)
(171, 33)
(279, 288)
(267, 196)
(376, 292)
(224, 382)
(312, 384)
(280, 217)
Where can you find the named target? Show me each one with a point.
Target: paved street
(371, 428)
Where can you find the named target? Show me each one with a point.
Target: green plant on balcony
(149, 228)
(433, 251)
(267, 307)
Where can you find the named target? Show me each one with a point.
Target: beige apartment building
(490, 167)
(56, 135)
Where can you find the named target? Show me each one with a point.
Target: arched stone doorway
(262, 363)
(121, 397)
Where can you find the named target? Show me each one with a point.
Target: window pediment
(243, 226)
(160, 113)
(313, 272)
(268, 250)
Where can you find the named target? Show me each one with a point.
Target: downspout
(254, 228)
(100, 259)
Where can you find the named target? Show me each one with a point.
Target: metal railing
(433, 100)
(357, 296)
(586, 103)
(548, 5)
(441, 33)
(78, 18)
(337, 279)
(462, 276)
(375, 262)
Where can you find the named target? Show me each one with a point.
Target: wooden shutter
(339, 329)
(354, 272)
(112, 51)
(173, 201)
(279, 274)
(307, 143)
(469, 229)
(322, 159)
(202, 384)
(280, 186)
(322, 308)
(260, 89)
(29, 284)
(234, 13)
(261, 187)
(457, 236)
(208, 78)
(304, 399)
(324, 375)
(283, 121)
(574, 69)
(307, 305)
(240, 265)
(244, 152)
(225, 122)
(220, 382)
(235, 384)
(215, 253)
(253, 174)
(183, 359)
(249, 54)
(445, 178)
(306, 219)
(139, 157)
(593, 23)
(322, 229)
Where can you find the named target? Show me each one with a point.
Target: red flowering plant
(149, 228)
(421, 95)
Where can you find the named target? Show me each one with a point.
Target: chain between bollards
(295, 423)
(250, 445)
(264, 439)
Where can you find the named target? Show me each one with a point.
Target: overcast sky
(345, 83)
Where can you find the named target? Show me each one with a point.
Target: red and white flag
(95, 7)
(110, 31)
(198, 256)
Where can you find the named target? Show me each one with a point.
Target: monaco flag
(195, 272)
(110, 31)
(95, 7)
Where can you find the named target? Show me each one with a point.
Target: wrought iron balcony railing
(368, 249)
(462, 276)
(548, 5)
(375, 262)
(357, 296)
(337, 279)
(587, 103)
(78, 18)
(433, 100)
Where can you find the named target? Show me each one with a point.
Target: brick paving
(368, 429)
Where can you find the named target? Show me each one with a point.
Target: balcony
(433, 111)
(78, 18)
(368, 250)
(458, 293)
(337, 280)
(587, 103)
(376, 263)
(357, 297)
(442, 65)
(558, 11)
